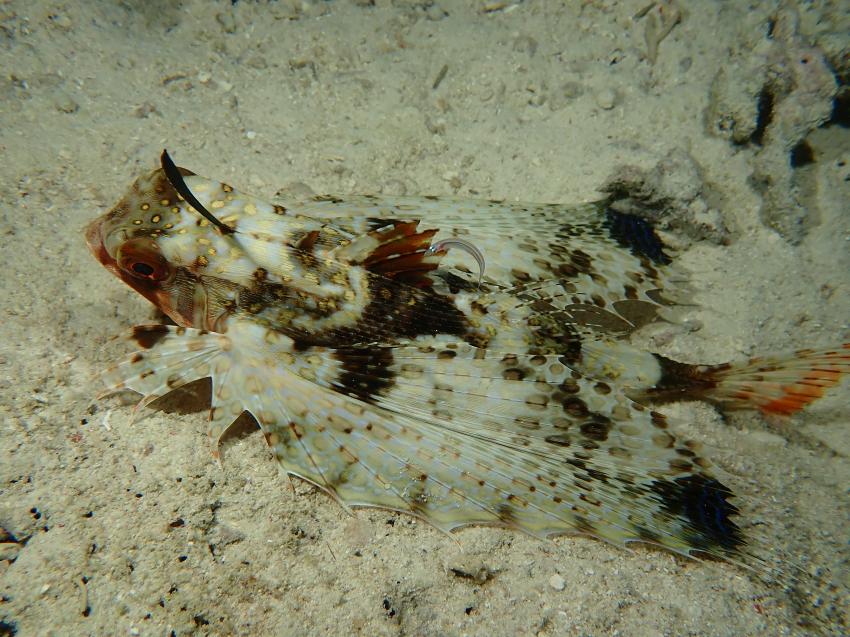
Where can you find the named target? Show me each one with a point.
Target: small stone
(571, 90)
(606, 99)
(62, 21)
(144, 110)
(227, 22)
(394, 188)
(257, 62)
(525, 44)
(435, 126)
(557, 582)
(64, 103)
(250, 134)
(295, 190)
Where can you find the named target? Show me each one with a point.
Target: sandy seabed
(737, 119)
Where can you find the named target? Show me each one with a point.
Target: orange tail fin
(782, 384)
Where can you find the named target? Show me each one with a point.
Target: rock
(65, 103)
(772, 94)
(557, 582)
(606, 99)
(670, 194)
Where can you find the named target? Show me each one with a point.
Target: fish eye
(141, 259)
(142, 269)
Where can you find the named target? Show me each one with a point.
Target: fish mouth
(96, 245)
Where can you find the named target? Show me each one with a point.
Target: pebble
(64, 103)
(62, 21)
(394, 188)
(146, 109)
(606, 98)
(227, 22)
(557, 582)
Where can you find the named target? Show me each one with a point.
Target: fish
(466, 362)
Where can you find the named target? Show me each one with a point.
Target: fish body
(491, 384)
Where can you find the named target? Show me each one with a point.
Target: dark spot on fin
(703, 503)
(636, 234)
(148, 336)
(365, 373)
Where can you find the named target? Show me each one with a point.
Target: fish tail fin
(781, 384)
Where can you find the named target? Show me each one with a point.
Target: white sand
(136, 530)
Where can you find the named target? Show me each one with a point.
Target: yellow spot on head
(137, 222)
(203, 261)
(145, 206)
(156, 219)
(250, 209)
(211, 252)
(176, 210)
(203, 241)
(165, 202)
(217, 204)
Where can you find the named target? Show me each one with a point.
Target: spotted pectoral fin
(456, 440)
(459, 439)
(542, 398)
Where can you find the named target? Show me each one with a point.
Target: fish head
(158, 245)
(203, 253)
